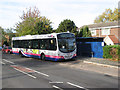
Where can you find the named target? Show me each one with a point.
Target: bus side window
(42, 44)
(21, 44)
(40, 41)
(35, 44)
(52, 44)
(29, 44)
(15, 44)
(25, 44)
(47, 45)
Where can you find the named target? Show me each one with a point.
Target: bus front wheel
(42, 57)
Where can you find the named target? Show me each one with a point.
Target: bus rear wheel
(9, 52)
(42, 57)
(20, 54)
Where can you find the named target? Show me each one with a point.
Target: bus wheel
(9, 52)
(42, 57)
(20, 54)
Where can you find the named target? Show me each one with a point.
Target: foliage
(10, 34)
(112, 52)
(84, 32)
(3, 35)
(67, 25)
(106, 52)
(9, 30)
(43, 26)
(6, 43)
(32, 23)
(107, 16)
(7, 35)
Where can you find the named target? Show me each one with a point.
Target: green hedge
(112, 52)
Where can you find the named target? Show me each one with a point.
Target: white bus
(55, 46)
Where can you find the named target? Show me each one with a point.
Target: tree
(43, 26)
(67, 25)
(7, 35)
(3, 38)
(107, 16)
(2, 33)
(32, 23)
(9, 30)
(84, 32)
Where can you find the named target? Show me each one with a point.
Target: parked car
(7, 49)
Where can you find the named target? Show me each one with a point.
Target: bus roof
(28, 37)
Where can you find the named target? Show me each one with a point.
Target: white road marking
(39, 72)
(75, 85)
(55, 82)
(28, 68)
(2, 62)
(57, 87)
(25, 73)
(8, 61)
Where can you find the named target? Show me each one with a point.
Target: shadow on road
(34, 62)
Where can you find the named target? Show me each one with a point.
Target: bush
(112, 52)
(106, 52)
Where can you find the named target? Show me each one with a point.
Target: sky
(82, 12)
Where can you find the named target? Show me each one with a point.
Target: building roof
(114, 23)
(113, 38)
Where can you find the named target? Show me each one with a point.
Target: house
(110, 31)
(111, 40)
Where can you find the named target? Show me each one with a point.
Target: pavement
(99, 65)
(103, 61)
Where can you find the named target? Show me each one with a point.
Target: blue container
(90, 47)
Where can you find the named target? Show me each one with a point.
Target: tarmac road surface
(22, 72)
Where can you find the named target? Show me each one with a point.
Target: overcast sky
(82, 12)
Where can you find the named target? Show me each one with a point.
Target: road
(22, 72)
